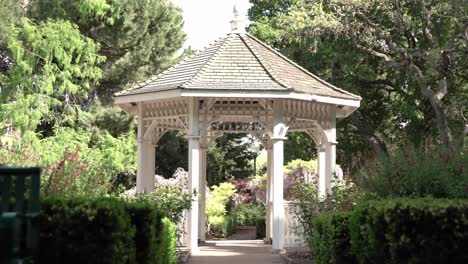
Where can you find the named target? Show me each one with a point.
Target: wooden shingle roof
(239, 62)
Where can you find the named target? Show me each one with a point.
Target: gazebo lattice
(237, 85)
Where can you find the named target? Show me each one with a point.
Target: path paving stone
(234, 252)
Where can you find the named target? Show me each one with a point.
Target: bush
(413, 172)
(147, 220)
(246, 214)
(231, 225)
(216, 209)
(167, 243)
(104, 230)
(422, 230)
(331, 239)
(260, 227)
(82, 230)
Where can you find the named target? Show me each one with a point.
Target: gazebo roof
(239, 62)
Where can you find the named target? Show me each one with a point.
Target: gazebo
(237, 85)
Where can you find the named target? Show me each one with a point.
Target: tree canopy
(407, 59)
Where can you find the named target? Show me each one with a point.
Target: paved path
(235, 252)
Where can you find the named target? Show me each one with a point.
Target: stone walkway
(235, 252)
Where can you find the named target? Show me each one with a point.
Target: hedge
(260, 227)
(104, 230)
(331, 239)
(167, 246)
(422, 230)
(147, 220)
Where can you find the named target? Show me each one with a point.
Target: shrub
(231, 225)
(409, 171)
(167, 243)
(423, 230)
(216, 209)
(246, 214)
(81, 230)
(104, 230)
(330, 239)
(147, 221)
(260, 227)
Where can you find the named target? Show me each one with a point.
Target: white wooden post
(330, 150)
(269, 195)
(194, 172)
(279, 133)
(146, 158)
(323, 179)
(202, 205)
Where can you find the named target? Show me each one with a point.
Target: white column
(202, 205)
(330, 151)
(269, 196)
(279, 133)
(194, 172)
(146, 158)
(323, 179)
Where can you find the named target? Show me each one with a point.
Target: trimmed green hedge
(422, 230)
(331, 239)
(167, 243)
(260, 227)
(104, 230)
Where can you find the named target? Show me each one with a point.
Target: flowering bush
(171, 195)
(74, 162)
(416, 172)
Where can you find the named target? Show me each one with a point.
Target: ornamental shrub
(246, 214)
(146, 219)
(167, 243)
(416, 172)
(422, 230)
(104, 230)
(260, 227)
(330, 239)
(216, 209)
(83, 230)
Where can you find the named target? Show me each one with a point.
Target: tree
(53, 64)
(138, 38)
(228, 158)
(424, 41)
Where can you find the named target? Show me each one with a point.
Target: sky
(208, 20)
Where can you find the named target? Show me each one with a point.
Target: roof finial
(236, 23)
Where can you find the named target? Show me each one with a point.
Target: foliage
(171, 153)
(299, 146)
(54, 65)
(138, 38)
(246, 214)
(228, 158)
(216, 208)
(147, 221)
(73, 229)
(331, 239)
(70, 166)
(52, 57)
(297, 172)
(173, 200)
(260, 227)
(345, 196)
(410, 231)
(338, 41)
(167, 246)
(416, 172)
